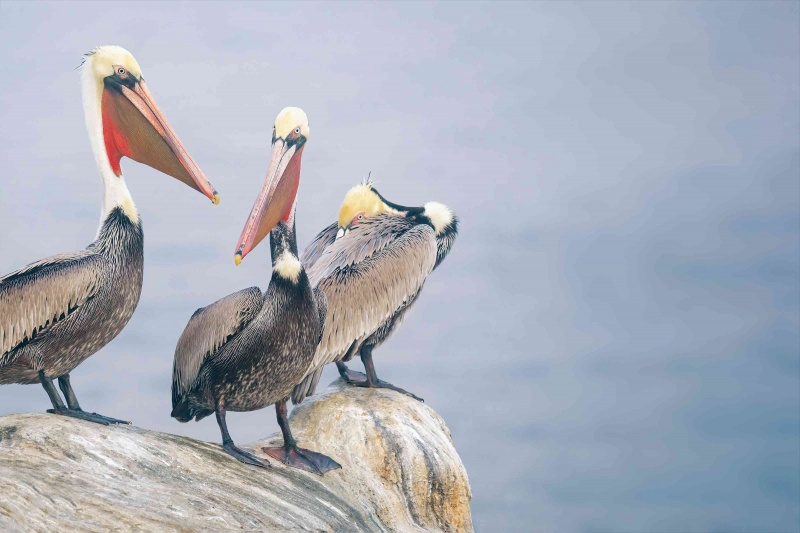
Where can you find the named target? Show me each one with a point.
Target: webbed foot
(91, 417)
(245, 457)
(350, 376)
(372, 380)
(386, 385)
(313, 462)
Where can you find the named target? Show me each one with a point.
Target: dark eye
(120, 71)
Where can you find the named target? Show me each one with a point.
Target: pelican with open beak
(57, 312)
(248, 350)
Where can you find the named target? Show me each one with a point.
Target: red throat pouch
(116, 144)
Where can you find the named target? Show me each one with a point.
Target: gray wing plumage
(37, 296)
(366, 277)
(306, 388)
(207, 331)
(322, 308)
(316, 247)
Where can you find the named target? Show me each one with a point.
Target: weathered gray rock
(400, 472)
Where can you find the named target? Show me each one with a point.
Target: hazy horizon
(618, 318)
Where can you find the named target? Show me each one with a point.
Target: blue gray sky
(619, 318)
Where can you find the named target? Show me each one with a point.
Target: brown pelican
(56, 312)
(247, 350)
(371, 264)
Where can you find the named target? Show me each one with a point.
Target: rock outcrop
(400, 472)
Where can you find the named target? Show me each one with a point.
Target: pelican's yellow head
(106, 61)
(291, 122)
(360, 201)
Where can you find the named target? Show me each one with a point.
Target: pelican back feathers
(317, 246)
(366, 276)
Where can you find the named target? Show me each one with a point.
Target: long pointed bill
(276, 199)
(134, 126)
(405, 210)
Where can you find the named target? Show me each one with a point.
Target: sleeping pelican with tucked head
(371, 264)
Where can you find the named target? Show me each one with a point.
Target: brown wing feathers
(207, 331)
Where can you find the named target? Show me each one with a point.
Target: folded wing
(209, 329)
(44, 293)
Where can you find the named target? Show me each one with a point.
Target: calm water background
(614, 339)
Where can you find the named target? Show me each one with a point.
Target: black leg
(55, 399)
(291, 454)
(369, 366)
(227, 441)
(60, 409)
(69, 394)
(283, 421)
(72, 402)
(372, 380)
(350, 376)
